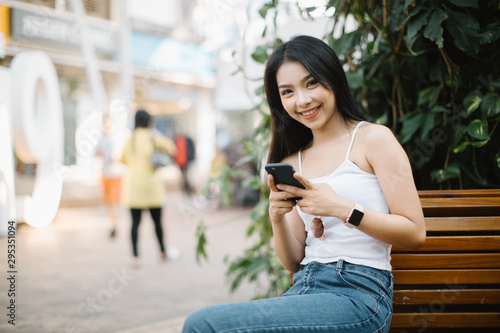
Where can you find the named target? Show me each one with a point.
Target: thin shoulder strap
(300, 161)
(352, 140)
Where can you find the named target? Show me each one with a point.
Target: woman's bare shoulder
(376, 135)
(374, 131)
(293, 160)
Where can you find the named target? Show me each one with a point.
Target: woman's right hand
(278, 205)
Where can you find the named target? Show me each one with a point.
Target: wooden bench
(452, 283)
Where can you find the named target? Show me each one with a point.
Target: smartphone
(283, 174)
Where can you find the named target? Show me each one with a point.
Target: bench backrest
(454, 279)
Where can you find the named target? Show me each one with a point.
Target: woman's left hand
(317, 199)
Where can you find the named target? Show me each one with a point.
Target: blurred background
(171, 58)
(67, 64)
(188, 63)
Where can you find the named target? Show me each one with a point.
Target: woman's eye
(312, 83)
(285, 92)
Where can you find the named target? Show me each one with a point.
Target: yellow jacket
(142, 187)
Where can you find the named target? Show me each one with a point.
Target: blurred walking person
(112, 172)
(185, 155)
(143, 188)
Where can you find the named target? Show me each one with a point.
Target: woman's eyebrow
(286, 85)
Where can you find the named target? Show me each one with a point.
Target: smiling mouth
(310, 113)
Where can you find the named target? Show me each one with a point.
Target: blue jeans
(334, 297)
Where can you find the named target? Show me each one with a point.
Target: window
(95, 8)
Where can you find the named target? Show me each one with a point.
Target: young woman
(359, 198)
(143, 188)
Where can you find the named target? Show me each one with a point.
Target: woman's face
(304, 98)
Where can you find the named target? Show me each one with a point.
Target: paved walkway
(71, 277)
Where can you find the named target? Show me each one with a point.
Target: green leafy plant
(428, 70)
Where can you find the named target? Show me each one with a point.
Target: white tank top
(341, 242)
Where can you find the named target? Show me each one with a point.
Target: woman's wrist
(343, 209)
(276, 219)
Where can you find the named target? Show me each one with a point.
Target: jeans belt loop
(340, 265)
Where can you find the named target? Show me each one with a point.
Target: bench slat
(447, 296)
(447, 276)
(458, 223)
(459, 193)
(456, 244)
(448, 260)
(445, 320)
(466, 206)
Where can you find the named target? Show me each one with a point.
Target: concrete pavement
(71, 277)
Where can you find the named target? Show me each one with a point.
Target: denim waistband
(342, 265)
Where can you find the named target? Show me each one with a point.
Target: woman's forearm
(287, 247)
(393, 229)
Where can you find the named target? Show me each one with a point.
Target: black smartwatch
(355, 216)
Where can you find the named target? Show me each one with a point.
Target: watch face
(356, 217)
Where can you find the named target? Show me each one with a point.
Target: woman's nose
(303, 98)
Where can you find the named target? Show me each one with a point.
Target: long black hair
(142, 119)
(289, 135)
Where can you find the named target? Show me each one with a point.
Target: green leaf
(252, 182)
(355, 79)
(464, 30)
(439, 108)
(428, 120)
(377, 84)
(383, 119)
(478, 129)
(479, 144)
(459, 133)
(344, 43)
(465, 3)
(264, 9)
(427, 124)
(441, 175)
(202, 241)
(424, 96)
(489, 34)
(472, 102)
(260, 54)
(415, 25)
(491, 104)
(461, 147)
(428, 96)
(433, 30)
(411, 124)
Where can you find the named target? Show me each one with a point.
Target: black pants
(136, 220)
(186, 186)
